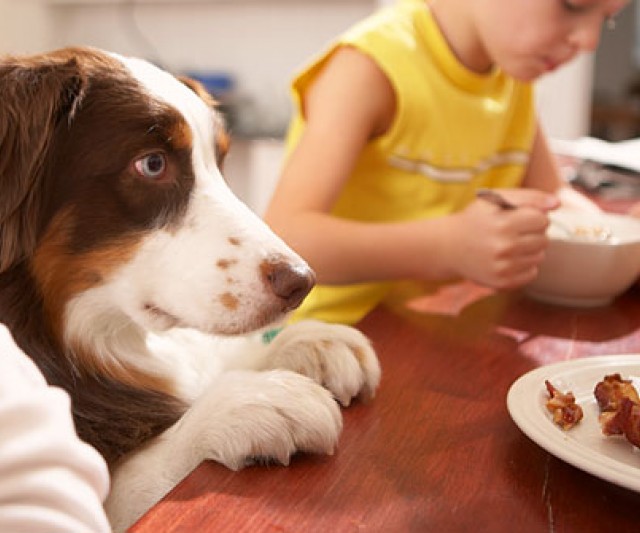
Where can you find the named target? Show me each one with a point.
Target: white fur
(282, 401)
(248, 399)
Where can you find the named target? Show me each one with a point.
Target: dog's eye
(151, 166)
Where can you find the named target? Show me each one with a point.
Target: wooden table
(436, 450)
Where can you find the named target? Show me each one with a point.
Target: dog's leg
(242, 417)
(338, 357)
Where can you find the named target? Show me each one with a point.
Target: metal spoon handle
(495, 198)
(588, 234)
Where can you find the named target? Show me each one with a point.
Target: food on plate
(617, 399)
(565, 411)
(612, 390)
(619, 407)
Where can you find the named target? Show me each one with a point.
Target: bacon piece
(619, 407)
(563, 407)
(611, 423)
(631, 421)
(610, 391)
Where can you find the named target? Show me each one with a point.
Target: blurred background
(247, 50)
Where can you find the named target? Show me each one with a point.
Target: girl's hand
(498, 247)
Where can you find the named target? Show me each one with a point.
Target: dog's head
(111, 193)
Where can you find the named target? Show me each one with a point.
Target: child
(398, 125)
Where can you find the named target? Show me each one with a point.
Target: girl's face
(527, 38)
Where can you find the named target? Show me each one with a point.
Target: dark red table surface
(436, 450)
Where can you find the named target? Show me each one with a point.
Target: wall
(564, 99)
(258, 42)
(616, 65)
(24, 27)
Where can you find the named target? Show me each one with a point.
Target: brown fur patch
(223, 143)
(35, 95)
(180, 136)
(61, 275)
(200, 90)
(229, 301)
(222, 139)
(225, 264)
(121, 372)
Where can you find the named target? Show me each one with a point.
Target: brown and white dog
(132, 276)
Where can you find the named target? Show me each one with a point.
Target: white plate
(584, 446)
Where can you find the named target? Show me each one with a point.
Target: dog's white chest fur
(251, 401)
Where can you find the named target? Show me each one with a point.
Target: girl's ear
(36, 94)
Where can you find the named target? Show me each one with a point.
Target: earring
(611, 23)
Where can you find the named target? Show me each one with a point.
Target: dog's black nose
(290, 282)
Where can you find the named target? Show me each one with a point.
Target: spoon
(597, 234)
(496, 199)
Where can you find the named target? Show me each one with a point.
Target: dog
(137, 281)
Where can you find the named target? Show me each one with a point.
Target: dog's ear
(35, 95)
(198, 88)
(222, 137)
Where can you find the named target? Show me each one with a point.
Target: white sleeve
(49, 479)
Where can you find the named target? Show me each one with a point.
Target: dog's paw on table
(338, 357)
(291, 413)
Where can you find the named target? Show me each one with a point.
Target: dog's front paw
(264, 416)
(338, 357)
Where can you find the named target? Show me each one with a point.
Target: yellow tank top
(454, 132)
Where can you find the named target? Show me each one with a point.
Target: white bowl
(582, 270)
